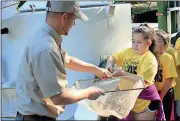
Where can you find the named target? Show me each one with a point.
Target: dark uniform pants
(21, 117)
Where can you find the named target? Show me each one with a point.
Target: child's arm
(110, 63)
(116, 58)
(166, 87)
(126, 75)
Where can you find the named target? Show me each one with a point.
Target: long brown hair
(164, 36)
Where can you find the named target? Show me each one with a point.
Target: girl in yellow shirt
(141, 61)
(165, 78)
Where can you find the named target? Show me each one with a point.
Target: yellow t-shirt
(143, 65)
(166, 69)
(173, 52)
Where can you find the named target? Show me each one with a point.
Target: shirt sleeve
(148, 69)
(177, 58)
(119, 57)
(49, 72)
(177, 45)
(169, 67)
(149, 73)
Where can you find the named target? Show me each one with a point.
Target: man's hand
(94, 93)
(103, 73)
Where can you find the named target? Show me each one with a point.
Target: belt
(21, 117)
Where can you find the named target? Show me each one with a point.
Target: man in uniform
(41, 83)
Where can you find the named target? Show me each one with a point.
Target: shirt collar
(53, 33)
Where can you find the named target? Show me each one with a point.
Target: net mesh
(119, 99)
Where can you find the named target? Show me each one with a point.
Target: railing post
(162, 14)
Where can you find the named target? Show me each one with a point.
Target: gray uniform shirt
(41, 74)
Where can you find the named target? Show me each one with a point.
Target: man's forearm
(78, 65)
(69, 96)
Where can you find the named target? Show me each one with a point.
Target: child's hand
(103, 73)
(109, 67)
(117, 73)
